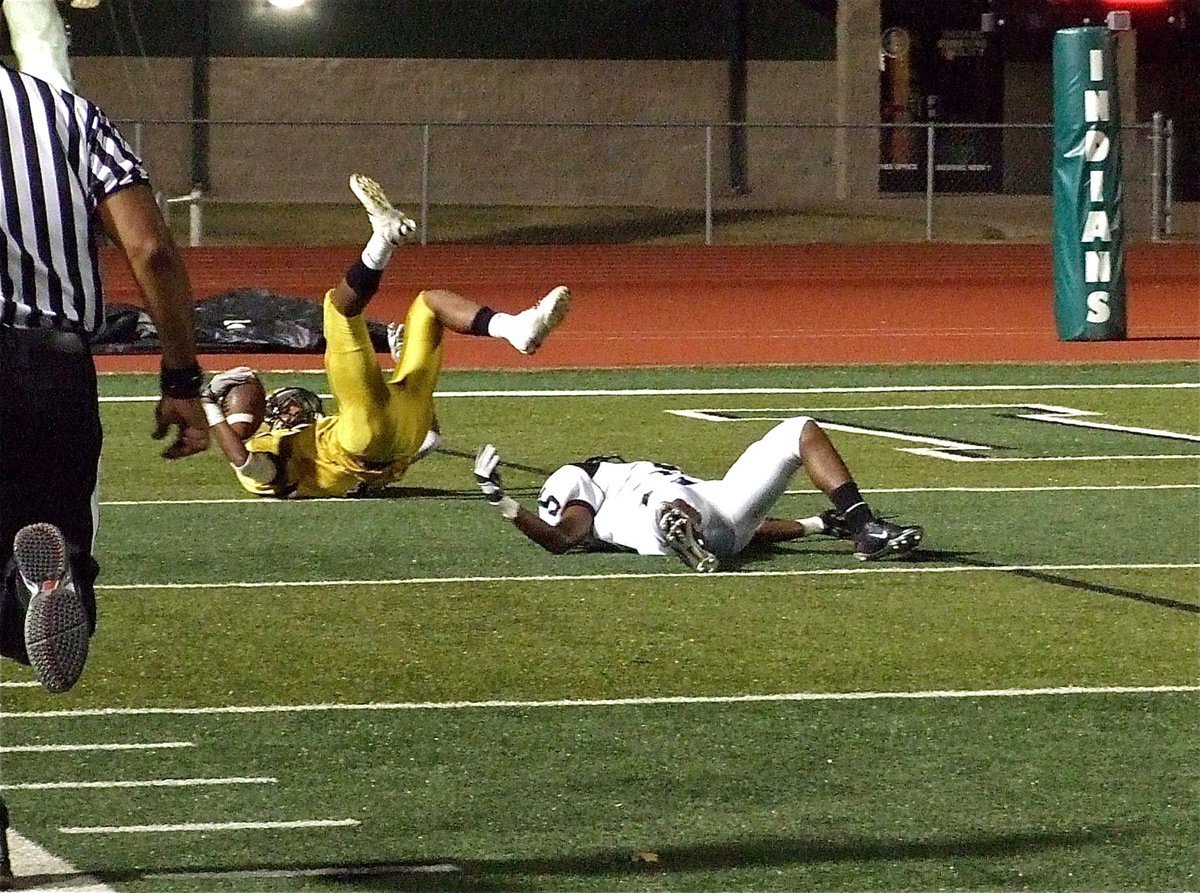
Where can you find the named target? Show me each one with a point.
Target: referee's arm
(133, 221)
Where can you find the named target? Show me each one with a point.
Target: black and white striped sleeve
(114, 165)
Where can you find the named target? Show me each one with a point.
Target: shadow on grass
(518, 874)
(1061, 579)
(471, 494)
(934, 556)
(819, 544)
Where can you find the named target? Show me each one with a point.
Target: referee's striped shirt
(60, 156)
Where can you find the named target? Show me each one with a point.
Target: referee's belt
(34, 342)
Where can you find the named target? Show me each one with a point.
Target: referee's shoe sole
(57, 629)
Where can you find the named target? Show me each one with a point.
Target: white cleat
(680, 536)
(57, 628)
(534, 324)
(432, 443)
(392, 225)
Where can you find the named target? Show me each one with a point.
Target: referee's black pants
(49, 460)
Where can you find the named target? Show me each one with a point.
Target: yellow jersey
(311, 463)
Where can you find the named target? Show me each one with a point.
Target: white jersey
(624, 496)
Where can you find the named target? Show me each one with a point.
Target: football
(244, 406)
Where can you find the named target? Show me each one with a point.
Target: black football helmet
(292, 408)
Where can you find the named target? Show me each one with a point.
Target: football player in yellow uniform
(383, 423)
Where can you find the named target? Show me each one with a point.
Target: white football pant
(732, 508)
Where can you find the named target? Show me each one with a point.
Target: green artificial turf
(1014, 707)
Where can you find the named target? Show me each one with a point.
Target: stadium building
(795, 90)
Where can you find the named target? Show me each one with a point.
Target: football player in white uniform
(656, 509)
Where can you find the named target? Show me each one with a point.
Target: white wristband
(508, 507)
(213, 413)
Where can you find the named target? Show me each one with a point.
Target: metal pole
(738, 35)
(708, 185)
(195, 218)
(929, 181)
(200, 95)
(1169, 178)
(425, 184)
(1156, 177)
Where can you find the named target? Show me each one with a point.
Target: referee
(66, 174)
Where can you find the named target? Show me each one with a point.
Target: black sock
(363, 280)
(850, 504)
(479, 325)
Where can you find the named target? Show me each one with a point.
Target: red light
(1136, 4)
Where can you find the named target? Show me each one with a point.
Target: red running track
(703, 306)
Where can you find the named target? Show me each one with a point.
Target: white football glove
(488, 478)
(224, 382)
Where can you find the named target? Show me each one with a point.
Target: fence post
(195, 217)
(929, 164)
(424, 184)
(1169, 178)
(708, 190)
(1156, 177)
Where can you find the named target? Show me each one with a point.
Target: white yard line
(147, 783)
(934, 694)
(208, 826)
(352, 871)
(39, 869)
(65, 748)
(250, 500)
(884, 569)
(1131, 457)
(698, 392)
(1048, 489)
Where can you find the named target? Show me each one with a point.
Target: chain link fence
(522, 183)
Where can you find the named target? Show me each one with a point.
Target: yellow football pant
(382, 420)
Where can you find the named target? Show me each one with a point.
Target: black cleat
(835, 525)
(881, 539)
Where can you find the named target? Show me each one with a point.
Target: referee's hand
(188, 416)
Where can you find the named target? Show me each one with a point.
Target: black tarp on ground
(245, 320)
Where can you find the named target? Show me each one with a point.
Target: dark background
(460, 29)
(1168, 35)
